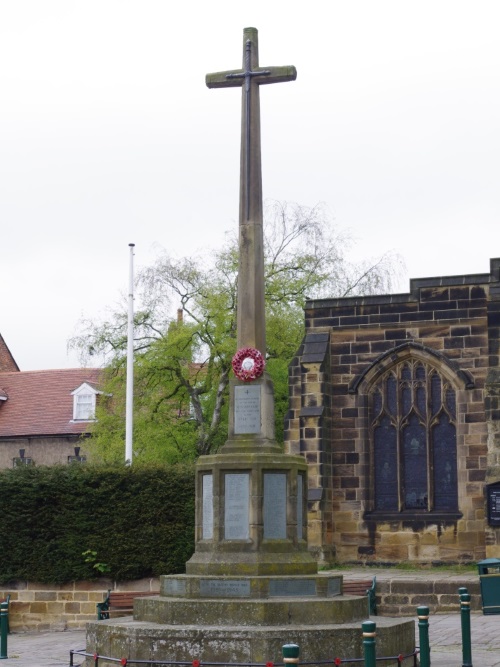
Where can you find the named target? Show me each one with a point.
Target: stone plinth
(247, 619)
(251, 515)
(244, 643)
(326, 585)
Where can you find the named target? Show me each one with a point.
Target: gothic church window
(413, 429)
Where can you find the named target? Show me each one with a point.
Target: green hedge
(139, 521)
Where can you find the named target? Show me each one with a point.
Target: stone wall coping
(415, 285)
(393, 573)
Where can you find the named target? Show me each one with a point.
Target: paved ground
(51, 649)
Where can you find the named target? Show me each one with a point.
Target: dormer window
(84, 406)
(84, 400)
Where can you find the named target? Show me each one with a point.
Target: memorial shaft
(250, 497)
(251, 330)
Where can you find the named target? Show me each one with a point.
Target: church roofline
(416, 284)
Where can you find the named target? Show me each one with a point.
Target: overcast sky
(109, 136)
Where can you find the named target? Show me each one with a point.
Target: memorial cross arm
(251, 290)
(235, 78)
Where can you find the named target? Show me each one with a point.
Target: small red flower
(196, 663)
(269, 664)
(401, 658)
(337, 661)
(96, 657)
(123, 662)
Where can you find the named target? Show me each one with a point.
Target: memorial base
(140, 640)
(246, 619)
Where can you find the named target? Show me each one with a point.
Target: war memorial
(251, 585)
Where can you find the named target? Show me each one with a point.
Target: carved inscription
(227, 588)
(175, 587)
(292, 587)
(333, 587)
(275, 506)
(208, 507)
(236, 521)
(247, 409)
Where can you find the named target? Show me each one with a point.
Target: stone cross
(251, 308)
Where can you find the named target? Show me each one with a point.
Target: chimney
(179, 316)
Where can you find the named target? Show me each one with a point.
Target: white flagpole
(129, 411)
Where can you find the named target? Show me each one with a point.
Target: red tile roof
(7, 361)
(40, 402)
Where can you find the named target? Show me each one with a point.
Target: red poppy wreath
(248, 364)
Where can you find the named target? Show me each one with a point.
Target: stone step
(310, 611)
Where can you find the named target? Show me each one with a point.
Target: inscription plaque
(247, 409)
(175, 587)
(292, 587)
(300, 506)
(275, 506)
(236, 522)
(333, 587)
(227, 588)
(208, 507)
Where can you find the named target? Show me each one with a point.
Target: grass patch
(459, 568)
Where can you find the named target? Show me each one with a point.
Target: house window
(84, 406)
(77, 459)
(84, 402)
(22, 461)
(413, 431)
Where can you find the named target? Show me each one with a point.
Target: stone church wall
(451, 323)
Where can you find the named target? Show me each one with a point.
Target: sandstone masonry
(44, 607)
(452, 324)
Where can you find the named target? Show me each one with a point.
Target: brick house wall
(43, 450)
(450, 323)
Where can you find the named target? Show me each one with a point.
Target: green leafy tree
(182, 366)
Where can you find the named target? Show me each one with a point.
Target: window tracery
(413, 430)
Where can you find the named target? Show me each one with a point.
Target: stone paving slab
(51, 649)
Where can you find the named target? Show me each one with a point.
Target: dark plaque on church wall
(275, 506)
(247, 409)
(493, 493)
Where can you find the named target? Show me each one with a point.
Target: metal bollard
(466, 642)
(423, 635)
(4, 628)
(369, 633)
(290, 654)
